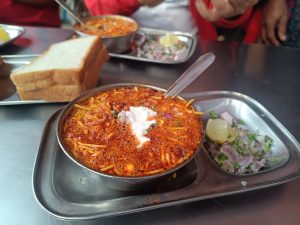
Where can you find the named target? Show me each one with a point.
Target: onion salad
(236, 148)
(166, 48)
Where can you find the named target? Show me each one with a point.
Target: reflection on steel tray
(187, 40)
(67, 191)
(13, 32)
(8, 92)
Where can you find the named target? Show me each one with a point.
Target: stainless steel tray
(13, 31)
(8, 92)
(67, 191)
(189, 40)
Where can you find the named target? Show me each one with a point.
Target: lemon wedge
(168, 40)
(219, 131)
(3, 35)
(232, 134)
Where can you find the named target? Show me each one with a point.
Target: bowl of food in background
(130, 134)
(116, 31)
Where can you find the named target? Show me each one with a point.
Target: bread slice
(65, 93)
(52, 94)
(63, 63)
(34, 85)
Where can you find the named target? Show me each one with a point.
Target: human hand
(241, 6)
(150, 3)
(212, 10)
(275, 16)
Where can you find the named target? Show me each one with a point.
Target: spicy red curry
(108, 26)
(94, 135)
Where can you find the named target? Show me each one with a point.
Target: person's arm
(213, 10)
(150, 3)
(123, 7)
(36, 2)
(274, 23)
(241, 6)
(101, 7)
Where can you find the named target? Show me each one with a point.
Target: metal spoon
(197, 68)
(70, 11)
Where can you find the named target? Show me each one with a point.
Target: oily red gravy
(94, 135)
(108, 27)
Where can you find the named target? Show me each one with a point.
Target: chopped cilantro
(213, 115)
(267, 143)
(153, 125)
(236, 165)
(222, 157)
(257, 155)
(114, 113)
(249, 169)
(237, 146)
(241, 122)
(251, 137)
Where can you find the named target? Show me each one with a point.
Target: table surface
(268, 74)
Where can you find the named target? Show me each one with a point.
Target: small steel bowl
(116, 44)
(114, 181)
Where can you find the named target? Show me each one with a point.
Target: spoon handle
(197, 68)
(70, 11)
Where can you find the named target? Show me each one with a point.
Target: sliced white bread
(65, 93)
(63, 63)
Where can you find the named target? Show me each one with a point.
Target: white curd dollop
(137, 117)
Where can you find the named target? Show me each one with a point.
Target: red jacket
(102, 7)
(250, 21)
(25, 14)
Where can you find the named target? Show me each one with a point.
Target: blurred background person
(123, 7)
(236, 20)
(30, 12)
(274, 22)
(215, 20)
(293, 29)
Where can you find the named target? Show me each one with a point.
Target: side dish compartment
(255, 120)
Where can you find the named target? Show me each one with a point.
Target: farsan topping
(98, 134)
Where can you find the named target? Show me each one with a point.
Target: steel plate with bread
(63, 72)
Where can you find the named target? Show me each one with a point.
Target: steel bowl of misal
(130, 134)
(116, 31)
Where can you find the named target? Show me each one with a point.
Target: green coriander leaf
(213, 115)
(114, 113)
(268, 142)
